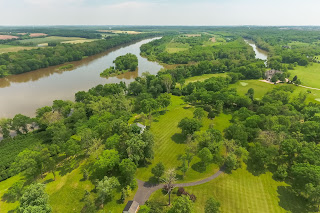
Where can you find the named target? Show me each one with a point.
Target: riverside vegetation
(266, 138)
(125, 63)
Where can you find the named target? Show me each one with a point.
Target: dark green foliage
(189, 125)
(35, 199)
(212, 206)
(18, 62)
(158, 170)
(126, 62)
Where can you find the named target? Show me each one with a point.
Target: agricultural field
(309, 76)
(170, 143)
(242, 192)
(4, 48)
(46, 40)
(119, 32)
(7, 37)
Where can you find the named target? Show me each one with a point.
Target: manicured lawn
(10, 48)
(4, 186)
(261, 88)
(309, 76)
(170, 143)
(243, 192)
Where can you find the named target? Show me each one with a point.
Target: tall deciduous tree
(169, 181)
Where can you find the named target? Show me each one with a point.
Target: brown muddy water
(26, 92)
(261, 54)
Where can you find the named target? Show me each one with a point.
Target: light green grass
(4, 48)
(309, 76)
(4, 186)
(201, 78)
(48, 39)
(204, 77)
(174, 47)
(261, 88)
(298, 44)
(169, 143)
(243, 192)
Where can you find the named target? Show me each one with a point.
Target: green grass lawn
(169, 143)
(202, 78)
(174, 47)
(243, 192)
(261, 88)
(4, 186)
(309, 76)
(45, 40)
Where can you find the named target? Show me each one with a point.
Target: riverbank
(27, 92)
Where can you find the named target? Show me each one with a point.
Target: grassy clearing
(243, 192)
(204, 77)
(10, 48)
(45, 40)
(214, 41)
(261, 88)
(170, 143)
(80, 41)
(4, 186)
(174, 47)
(309, 76)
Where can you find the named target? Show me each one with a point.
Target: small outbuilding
(142, 127)
(270, 73)
(131, 207)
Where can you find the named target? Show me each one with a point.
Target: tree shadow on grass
(199, 167)
(48, 181)
(292, 202)
(178, 138)
(70, 165)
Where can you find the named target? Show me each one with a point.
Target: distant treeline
(25, 61)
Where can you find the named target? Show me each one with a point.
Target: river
(26, 92)
(261, 54)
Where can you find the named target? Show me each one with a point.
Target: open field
(309, 76)
(10, 48)
(243, 192)
(261, 88)
(48, 39)
(119, 32)
(204, 77)
(80, 41)
(174, 47)
(170, 143)
(7, 37)
(37, 34)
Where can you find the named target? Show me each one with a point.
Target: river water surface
(260, 53)
(26, 92)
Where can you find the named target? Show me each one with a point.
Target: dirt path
(145, 189)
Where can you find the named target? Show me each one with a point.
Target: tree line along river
(26, 92)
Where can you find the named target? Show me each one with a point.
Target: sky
(160, 12)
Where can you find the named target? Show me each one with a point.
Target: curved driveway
(145, 189)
